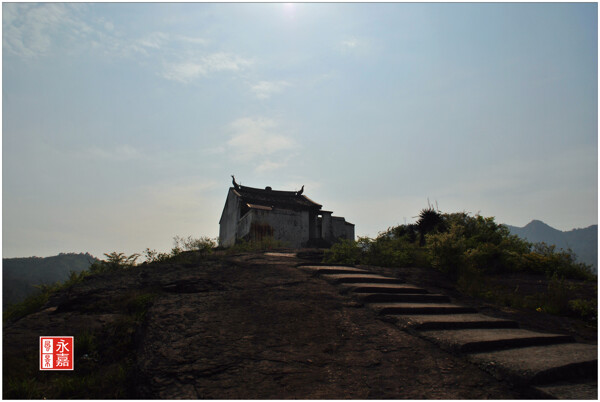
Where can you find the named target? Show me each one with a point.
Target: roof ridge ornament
(235, 185)
(300, 191)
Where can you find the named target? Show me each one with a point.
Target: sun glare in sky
(289, 10)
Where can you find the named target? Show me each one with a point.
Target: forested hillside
(20, 275)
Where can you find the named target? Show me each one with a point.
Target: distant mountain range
(583, 242)
(21, 275)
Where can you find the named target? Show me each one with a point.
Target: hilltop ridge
(243, 326)
(583, 241)
(250, 325)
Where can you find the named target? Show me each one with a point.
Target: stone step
(541, 364)
(480, 340)
(454, 321)
(332, 269)
(582, 390)
(403, 297)
(360, 278)
(420, 308)
(276, 254)
(382, 288)
(551, 365)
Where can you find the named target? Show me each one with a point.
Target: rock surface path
(267, 326)
(274, 331)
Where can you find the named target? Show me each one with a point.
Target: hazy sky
(122, 123)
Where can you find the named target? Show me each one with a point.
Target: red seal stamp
(56, 352)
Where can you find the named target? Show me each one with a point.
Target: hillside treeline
(20, 276)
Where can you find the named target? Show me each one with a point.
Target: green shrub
(557, 296)
(31, 304)
(36, 301)
(584, 308)
(446, 250)
(266, 243)
(430, 220)
(406, 233)
(387, 251)
(154, 256)
(482, 244)
(492, 258)
(114, 262)
(85, 343)
(346, 252)
(138, 304)
(544, 259)
(203, 244)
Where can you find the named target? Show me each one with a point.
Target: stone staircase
(551, 365)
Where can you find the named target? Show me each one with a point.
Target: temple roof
(258, 197)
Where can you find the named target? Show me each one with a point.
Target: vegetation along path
(278, 325)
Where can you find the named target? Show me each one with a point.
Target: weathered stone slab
(479, 340)
(420, 308)
(454, 321)
(542, 364)
(332, 269)
(403, 297)
(570, 390)
(362, 278)
(274, 254)
(382, 288)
